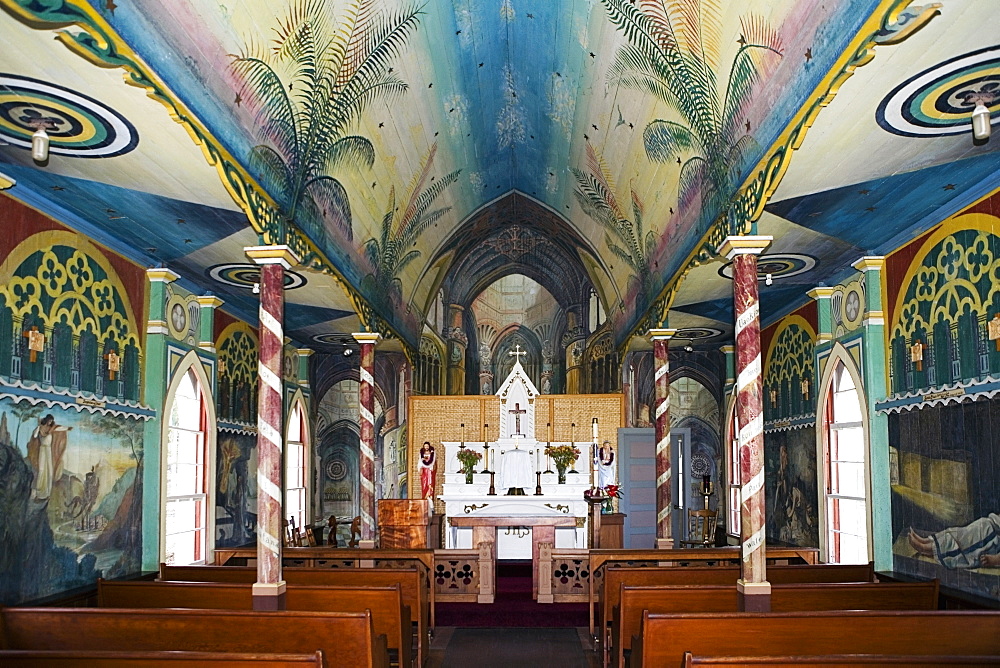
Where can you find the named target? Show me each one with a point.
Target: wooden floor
(512, 647)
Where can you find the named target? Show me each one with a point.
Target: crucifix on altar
(36, 342)
(517, 412)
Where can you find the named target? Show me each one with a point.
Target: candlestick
(463, 432)
(548, 432)
(486, 431)
(572, 428)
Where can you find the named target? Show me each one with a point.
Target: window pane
(295, 424)
(846, 406)
(847, 479)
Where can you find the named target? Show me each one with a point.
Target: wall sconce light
(40, 144)
(768, 279)
(348, 352)
(981, 122)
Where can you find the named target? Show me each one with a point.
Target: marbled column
(269, 590)
(366, 406)
(661, 421)
(754, 592)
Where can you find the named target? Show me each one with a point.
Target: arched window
(186, 499)
(733, 478)
(846, 499)
(296, 468)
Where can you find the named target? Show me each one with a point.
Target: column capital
(728, 349)
(367, 337)
(661, 334)
(210, 301)
(161, 275)
(821, 292)
(305, 352)
(744, 245)
(281, 254)
(869, 263)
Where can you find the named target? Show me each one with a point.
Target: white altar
(515, 458)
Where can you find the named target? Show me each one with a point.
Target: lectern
(404, 523)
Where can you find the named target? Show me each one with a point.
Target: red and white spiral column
(661, 420)
(269, 590)
(366, 407)
(754, 592)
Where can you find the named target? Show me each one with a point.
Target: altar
(515, 500)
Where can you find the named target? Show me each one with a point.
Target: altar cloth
(516, 470)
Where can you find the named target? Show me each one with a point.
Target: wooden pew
(616, 576)
(389, 616)
(346, 638)
(666, 637)
(714, 557)
(800, 597)
(415, 586)
(23, 658)
(838, 661)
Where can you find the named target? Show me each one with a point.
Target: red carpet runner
(513, 606)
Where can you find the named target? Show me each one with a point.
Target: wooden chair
(701, 527)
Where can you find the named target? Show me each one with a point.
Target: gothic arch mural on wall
(790, 435)
(948, 308)
(943, 431)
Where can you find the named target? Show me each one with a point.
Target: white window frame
(300, 447)
(191, 364)
(839, 356)
(733, 477)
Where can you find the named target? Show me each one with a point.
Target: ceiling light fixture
(981, 122)
(40, 144)
(768, 279)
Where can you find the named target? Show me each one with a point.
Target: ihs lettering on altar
(36, 342)
(114, 363)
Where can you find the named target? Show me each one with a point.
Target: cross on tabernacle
(36, 342)
(517, 412)
(517, 352)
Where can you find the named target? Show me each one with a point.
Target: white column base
(268, 588)
(753, 588)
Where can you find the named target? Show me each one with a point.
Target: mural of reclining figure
(975, 545)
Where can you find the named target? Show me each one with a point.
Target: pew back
(389, 616)
(838, 661)
(666, 637)
(413, 583)
(346, 638)
(615, 577)
(627, 618)
(19, 658)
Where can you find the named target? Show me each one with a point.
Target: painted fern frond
(666, 140)
(272, 168)
(601, 178)
(636, 26)
(383, 45)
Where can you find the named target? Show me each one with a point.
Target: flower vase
(561, 470)
(609, 507)
(468, 477)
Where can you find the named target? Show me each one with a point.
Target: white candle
(594, 423)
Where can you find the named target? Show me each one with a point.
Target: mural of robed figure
(46, 448)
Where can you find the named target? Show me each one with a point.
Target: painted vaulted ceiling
(393, 144)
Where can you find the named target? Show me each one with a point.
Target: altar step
(513, 606)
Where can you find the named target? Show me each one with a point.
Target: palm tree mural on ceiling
(308, 90)
(625, 238)
(393, 250)
(673, 53)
